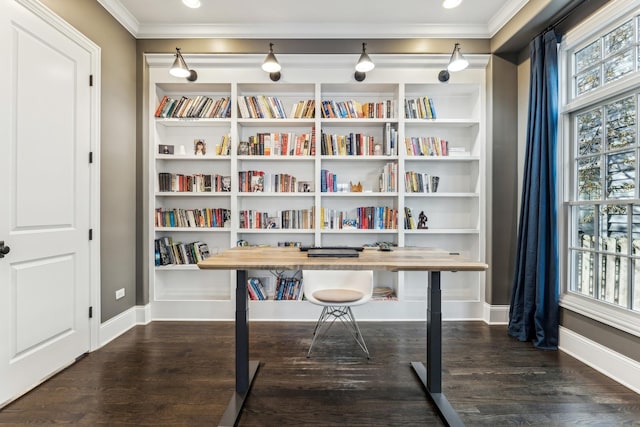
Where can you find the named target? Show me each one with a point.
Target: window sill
(602, 312)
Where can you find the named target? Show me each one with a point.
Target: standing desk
(434, 261)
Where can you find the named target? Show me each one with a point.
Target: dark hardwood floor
(182, 374)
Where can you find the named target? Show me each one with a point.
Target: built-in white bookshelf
(311, 185)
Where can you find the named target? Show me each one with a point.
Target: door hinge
(91, 234)
(91, 312)
(90, 79)
(90, 156)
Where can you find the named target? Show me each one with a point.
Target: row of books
(383, 293)
(361, 218)
(357, 144)
(288, 219)
(256, 289)
(200, 106)
(196, 183)
(357, 110)
(426, 146)
(287, 288)
(224, 148)
(304, 109)
(328, 181)
(261, 107)
(168, 252)
(419, 108)
(259, 181)
(205, 217)
(387, 182)
(420, 182)
(278, 144)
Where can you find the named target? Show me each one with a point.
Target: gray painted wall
(501, 238)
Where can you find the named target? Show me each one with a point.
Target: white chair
(337, 291)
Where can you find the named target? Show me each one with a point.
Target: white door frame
(38, 9)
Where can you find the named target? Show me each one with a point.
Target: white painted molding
(309, 30)
(607, 314)
(504, 15)
(496, 314)
(122, 15)
(299, 30)
(117, 325)
(612, 364)
(614, 10)
(143, 314)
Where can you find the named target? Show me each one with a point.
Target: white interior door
(45, 200)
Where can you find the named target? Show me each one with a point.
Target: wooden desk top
(288, 258)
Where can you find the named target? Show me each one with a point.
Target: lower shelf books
(256, 289)
(169, 253)
(383, 293)
(286, 288)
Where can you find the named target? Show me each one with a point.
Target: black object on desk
(355, 248)
(332, 253)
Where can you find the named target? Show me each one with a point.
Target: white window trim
(601, 311)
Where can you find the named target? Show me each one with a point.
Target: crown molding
(308, 30)
(122, 15)
(504, 15)
(141, 30)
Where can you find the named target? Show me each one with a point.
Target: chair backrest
(328, 281)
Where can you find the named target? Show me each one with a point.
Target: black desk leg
(245, 369)
(431, 377)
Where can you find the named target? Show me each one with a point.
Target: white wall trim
(143, 314)
(117, 325)
(612, 364)
(496, 314)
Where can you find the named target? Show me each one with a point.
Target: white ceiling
(313, 19)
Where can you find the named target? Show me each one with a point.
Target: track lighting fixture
(450, 4)
(180, 69)
(363, 65)
(271, 65)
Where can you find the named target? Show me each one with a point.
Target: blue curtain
(533, 314)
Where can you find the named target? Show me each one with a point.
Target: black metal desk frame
(430, 376)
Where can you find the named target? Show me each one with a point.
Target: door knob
(3, 249)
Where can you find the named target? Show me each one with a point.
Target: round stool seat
(337, 295)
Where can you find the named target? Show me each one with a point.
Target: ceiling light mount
(180, 68)
(450, 4)
(271, 65)
(364, 65)
(193, 4)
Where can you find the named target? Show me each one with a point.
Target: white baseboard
(496, 314)
(118, 325)
(612, 364)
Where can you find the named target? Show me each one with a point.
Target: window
(601, 152)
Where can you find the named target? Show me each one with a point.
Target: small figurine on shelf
(422, 221)
(355, 188)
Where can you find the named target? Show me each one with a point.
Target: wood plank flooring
(182, 374)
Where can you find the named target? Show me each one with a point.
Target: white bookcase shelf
(456, 217)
